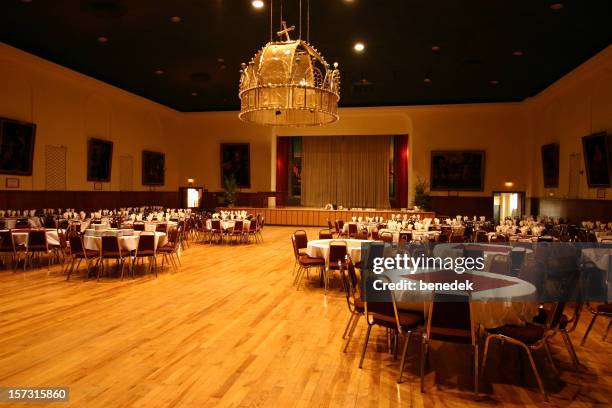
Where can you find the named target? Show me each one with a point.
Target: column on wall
(282, 161)
(400, 153)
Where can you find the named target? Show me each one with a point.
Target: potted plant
(422, 199)
(229, 190)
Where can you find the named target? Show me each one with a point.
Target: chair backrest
(450, 318)
(146, 242)
(296, 253)
(386, 236)
(238, 225)
(6, 240)
(350, 282)
(337, 251)
(22, 223)
(301, 239)
(339, 225)
(500, 265)
(442, 238)
(385, 303)
(253, 225)
(363, 234)
(405, 237)
(325, 234)
(37, 238)
(352, 229)
(481, 236)
(173, 236)
(215, 225)
(110, 244)
(76, 245)
(329, 224)
(163, 227)
(138, 226)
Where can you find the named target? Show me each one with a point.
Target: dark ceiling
(200, 56)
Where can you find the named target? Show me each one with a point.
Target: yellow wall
(68, 108)
(577, 105)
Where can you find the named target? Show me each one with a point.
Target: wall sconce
(190, 182)
(509, 184)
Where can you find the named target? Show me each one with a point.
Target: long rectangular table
(315, 217)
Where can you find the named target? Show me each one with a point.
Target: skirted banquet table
(228, 224)
(496, 300)
(319, 248)
(127, 242)
(21, 237)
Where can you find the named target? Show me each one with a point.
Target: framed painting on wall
(16, 147)
(550, 165)
(153, 168)
(236, 163)
(597, 159)
(99, 160)
(457, 170)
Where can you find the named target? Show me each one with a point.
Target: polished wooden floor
(229, 329)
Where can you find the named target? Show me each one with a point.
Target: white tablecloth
(417, 235)
(33, 221)
(227, 224)
(370, 226)
(319, 248)
(456, 250)
(599, 256)
(128, 243)
(20, 238)
(491, 308)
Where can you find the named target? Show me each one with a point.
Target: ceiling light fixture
(359, 47)
(194, 94)
(436, 48)
(288, 82)
(175, 19)
(556, 6)
(257, 4)
(518, 53)
(102, 40)
(427, 80)
(494, 82)
(159, 72)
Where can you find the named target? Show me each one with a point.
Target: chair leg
(365, 345)
(606, 332)
(476, 378)
(69, 269)
(535, 372)
(586, 334)
(484, 357)
(424, 347)
(549, 356)
(348, 325)
(404, 353)
(570, 349)
(351, 331)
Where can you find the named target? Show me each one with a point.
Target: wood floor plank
(229, 329)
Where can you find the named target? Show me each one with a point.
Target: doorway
(508, 204)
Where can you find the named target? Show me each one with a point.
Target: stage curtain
(351, 171)
(400, 153)
(282, 161)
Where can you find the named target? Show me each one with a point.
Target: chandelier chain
(271, 20)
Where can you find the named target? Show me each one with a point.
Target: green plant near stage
(422, 198)
(230, 188)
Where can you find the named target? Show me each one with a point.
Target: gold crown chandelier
(288, 83)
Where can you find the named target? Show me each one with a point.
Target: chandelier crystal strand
(289, 83)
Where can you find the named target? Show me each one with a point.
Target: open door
(508, 204)
(191, 197)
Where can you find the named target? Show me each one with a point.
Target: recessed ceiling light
(494, 82)
(257, 4)
(102, 39)
(518, 53)
(436, 48)
(427, 80)
(159, 72)
(26, 1)
(359, 47)
(194, 94)
(175, 19)
(556, 6)
(220, 60)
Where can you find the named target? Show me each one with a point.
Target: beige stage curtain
(351, 171)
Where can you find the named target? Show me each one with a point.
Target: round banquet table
(489, 250)
(599, 256)
(21, 237)
(496, 300)
(370, 226)
(228, 224)
(128, 242)
(10, 222)
(319, 248)
(417, 235)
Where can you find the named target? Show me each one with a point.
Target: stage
(317, 217)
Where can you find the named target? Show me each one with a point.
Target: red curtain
(400, 153)
(282, 161)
